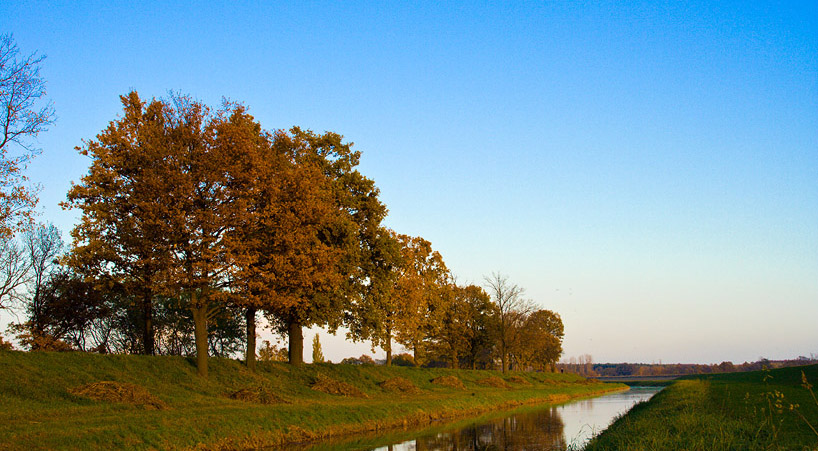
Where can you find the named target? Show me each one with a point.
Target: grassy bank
(46, 400)
(738, 411)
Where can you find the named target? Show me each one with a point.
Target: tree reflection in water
(542, 430)
(534, 428)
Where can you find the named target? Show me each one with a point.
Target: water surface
(531, 428)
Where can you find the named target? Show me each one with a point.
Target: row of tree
(678, 369)
(194, 220)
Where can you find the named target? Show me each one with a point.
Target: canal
(560, 427)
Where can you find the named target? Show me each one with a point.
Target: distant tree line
(582, 365)
(195, 221)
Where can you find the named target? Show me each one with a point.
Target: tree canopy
(195, 220)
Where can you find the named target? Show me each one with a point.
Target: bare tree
(14, 271)
(513, 309)
(21, 117)
(43, 246)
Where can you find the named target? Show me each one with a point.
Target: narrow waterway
(534, 428)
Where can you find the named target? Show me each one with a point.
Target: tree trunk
(147, 332)
(504, 359)
(388, 347)
(250, 354)
(200, 334)
(296, 339)
(454, 360)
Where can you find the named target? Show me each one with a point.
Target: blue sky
(648, 170)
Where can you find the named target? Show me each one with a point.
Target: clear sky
(648, 170)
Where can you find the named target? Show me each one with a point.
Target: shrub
(403, 360)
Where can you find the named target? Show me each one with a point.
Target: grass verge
(42, 408)
(758, 410)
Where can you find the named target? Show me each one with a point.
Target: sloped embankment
(159, 402)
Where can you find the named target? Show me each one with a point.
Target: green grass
(736, 411)
(38, 412)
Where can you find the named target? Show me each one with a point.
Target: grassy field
(46, 405)
(760, 410)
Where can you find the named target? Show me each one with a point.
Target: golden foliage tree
(162, 201)
(372, 315)
(403, 299)
(123, 236)
(541, 340)
(306, 255)
(465, 329)
(422, 292)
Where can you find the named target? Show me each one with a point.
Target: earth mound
(399, 385)
(259, 395)
(121, 392)
(517, 380)
(493, 381)
(333, 387)
(449, 381)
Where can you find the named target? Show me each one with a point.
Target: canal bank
(542, 427)
(77, 400)
(758, 410)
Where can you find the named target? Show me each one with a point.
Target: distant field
(46, 400)
(756, 410)
(638, 380)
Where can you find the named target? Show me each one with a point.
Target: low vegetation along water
(88, 401)
(565, 426)
(759, 410)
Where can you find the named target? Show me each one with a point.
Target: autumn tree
(373, 315)
(272, 353)
(512, 309)
(123, 235)
(310, 255)
(401, 299)
(421, 290)
(161, 203)
(292, 203)
(205, 203)
(466, 331)
(23, 115)
(451, 334)
(541, 340)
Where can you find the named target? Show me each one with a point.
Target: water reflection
(532, 428)
(543, 430)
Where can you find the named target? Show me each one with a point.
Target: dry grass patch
(518, 380)
(121, 392)
(259, 395)
(399, 385)
(493, 381)
(333, 387)
(449, 381)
